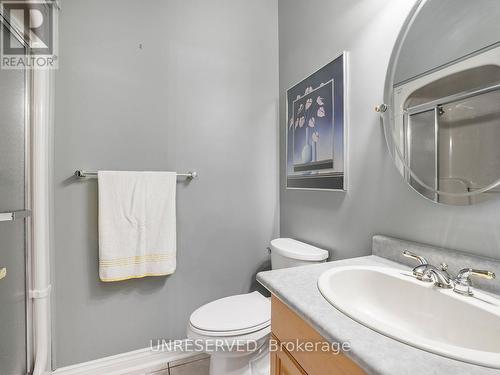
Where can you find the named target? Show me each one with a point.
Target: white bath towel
(137, 224)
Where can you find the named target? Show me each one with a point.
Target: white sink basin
(394, 303)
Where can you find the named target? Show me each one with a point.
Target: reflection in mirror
(443, 123)
(421, 151)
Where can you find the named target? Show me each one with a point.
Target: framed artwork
(316, 130)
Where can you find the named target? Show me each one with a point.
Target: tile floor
(198, 365)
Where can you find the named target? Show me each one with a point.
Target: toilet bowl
(235, 330)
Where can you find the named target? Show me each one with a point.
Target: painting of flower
(315, 131)
(301, 108)
(302, 121)
(308, 149)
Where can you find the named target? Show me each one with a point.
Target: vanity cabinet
(289, 358)
(283, 363)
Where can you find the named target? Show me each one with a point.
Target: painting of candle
(316, 129)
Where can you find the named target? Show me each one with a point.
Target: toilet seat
(229, 339)
(232, 316)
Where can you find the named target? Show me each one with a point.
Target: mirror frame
(385, 110)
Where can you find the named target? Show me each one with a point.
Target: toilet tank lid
(294, 249)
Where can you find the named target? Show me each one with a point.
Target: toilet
(235, 330)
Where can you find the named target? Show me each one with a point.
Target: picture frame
(316, 129)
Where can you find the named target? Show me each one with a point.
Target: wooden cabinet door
(283, 364)
(287, 326)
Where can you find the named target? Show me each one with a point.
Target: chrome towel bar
(15, 215)
(92, 174)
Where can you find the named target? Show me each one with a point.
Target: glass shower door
(422, 151)
(13, 236)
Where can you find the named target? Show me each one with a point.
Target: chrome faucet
(461, 284)
(440, 277)
(427, 272)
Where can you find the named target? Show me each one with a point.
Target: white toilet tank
(287, 252)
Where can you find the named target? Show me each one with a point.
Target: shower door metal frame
(28, 240)
(28, 221)
(39, 98)
(436, 106)
(407, 139)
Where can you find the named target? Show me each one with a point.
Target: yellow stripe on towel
(134, 277)
(134, 260)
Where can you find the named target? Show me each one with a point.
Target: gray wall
(311, 34)
(201, 94)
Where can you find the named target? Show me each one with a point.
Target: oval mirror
(442, 111)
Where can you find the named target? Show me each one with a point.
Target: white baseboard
(139, 362)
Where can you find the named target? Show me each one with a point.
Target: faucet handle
(418, 258)
(444, 268)
(463, 283)
(418, 271)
